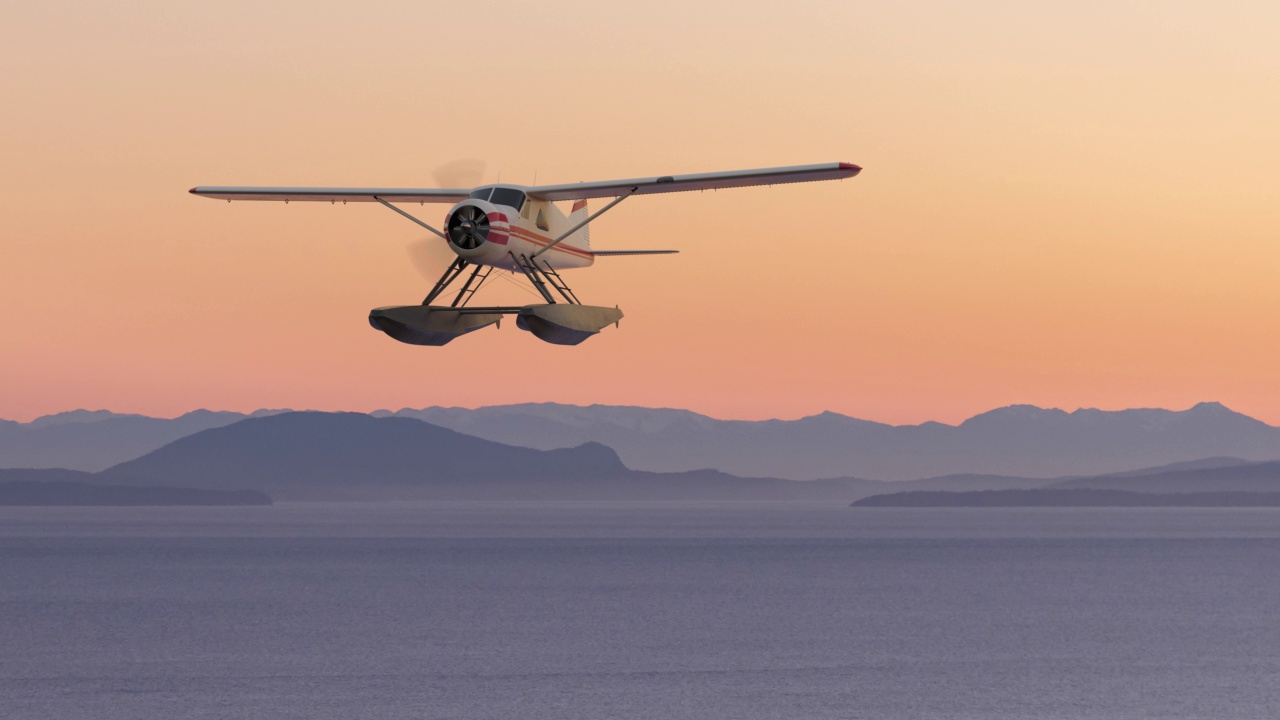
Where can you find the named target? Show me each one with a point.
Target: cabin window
(508, 196)
(541, 222)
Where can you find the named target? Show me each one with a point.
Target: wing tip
(850, 166)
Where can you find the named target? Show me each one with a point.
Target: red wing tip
(850, 166)
(193, 190)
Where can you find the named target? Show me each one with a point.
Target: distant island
(1074, 497)
(66, 493)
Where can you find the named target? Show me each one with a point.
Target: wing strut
(414, 219)
(583, 224)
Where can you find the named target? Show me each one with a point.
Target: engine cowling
(477, 231)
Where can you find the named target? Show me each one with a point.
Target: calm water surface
(638, 611)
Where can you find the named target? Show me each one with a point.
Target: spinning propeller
(428, 254)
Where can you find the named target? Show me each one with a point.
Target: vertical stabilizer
(582, 238)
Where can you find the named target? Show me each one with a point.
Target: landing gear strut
(473, 283)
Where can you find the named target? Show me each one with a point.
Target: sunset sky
(1064, 204)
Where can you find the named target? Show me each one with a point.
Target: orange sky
(1067, 207)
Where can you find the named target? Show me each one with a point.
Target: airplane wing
(701, 181)
(612, 253)
(332, 194)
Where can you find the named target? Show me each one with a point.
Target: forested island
(1073, 497)
(55, 492)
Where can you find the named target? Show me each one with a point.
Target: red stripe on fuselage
(544, 241)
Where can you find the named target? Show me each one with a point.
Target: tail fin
(582, 238)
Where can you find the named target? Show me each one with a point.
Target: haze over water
(676, 611)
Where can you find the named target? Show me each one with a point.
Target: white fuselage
(522, 231)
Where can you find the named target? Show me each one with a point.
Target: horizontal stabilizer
(606, 253)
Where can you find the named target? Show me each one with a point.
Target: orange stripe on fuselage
(544, 241)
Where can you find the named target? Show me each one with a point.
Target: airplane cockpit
(508, 196)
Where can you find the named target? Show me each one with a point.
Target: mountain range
(350, 456)
(93, 440)
(353, 456)
(1018, 441)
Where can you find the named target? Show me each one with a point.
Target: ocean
(565, 611)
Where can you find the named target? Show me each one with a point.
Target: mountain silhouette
(93, 440)
(1019, 441)
(350, 456)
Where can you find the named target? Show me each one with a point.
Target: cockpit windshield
(481, 193)
(508, 196)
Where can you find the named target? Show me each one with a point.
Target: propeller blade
(429, 256)
(461, 173)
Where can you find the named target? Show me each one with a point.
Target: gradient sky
(1066, 204)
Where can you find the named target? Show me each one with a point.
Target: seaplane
(518, 229)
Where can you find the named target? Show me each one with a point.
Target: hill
(350, 456)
